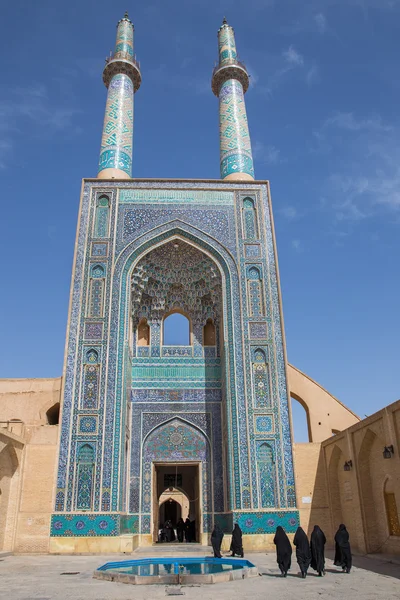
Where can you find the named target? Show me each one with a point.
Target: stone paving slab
(40, 578)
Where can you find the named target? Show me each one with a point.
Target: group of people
(312, 553)
(236, 543)
(185, 530)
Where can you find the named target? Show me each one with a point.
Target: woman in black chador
(342, 549)
(216, 540)
(303, 552)
(236, 543)
(317, 546)
(283, 550)
(188, 531)
(180, 528)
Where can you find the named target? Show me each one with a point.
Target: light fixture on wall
(348, 465)
(388, 451)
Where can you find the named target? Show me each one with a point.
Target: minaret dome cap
(125, 18)
(224, 24)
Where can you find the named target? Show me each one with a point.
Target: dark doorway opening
(181, 500)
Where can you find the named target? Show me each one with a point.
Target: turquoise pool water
(174, 566)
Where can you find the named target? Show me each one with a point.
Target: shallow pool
(176, 570)
(147, 567)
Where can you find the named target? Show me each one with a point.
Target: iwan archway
(177, 386)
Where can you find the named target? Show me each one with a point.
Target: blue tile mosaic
(91, 525)
(197, 384)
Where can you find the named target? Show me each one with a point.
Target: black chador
(343, 556)
(303, 552)
(283, 550)
(188, 531)
(237, 543)
(180, 528)
(317, 545)
(216, 540)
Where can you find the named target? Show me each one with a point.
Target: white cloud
(312, 74)
(320, 22)
(365, 166)
(267, 154)
(290, 212)
(293, 58)
(348, 121)
(297, 245)
(32, 106)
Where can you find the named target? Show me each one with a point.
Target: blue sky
(324, 121)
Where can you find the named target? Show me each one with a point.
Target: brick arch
(336, 462)
(9, 475)
(325, 413)
(369, 444)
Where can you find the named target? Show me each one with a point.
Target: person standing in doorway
(180, 528)
(187, 531)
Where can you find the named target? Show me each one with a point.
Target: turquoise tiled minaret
(230, 82)
(122, 77)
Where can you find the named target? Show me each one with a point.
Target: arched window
(261, 392)
(249, 219)
(143, 333)
(85, 471)
(102, 217)
(256, 299)
(53, 414)
(392, 514)
(266, 475)
(176, 330)
(209, 337)
(97, 271)
(92, 356)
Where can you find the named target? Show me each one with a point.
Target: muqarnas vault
(203, 425)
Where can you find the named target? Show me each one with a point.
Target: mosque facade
(209, 419)
(152, 431)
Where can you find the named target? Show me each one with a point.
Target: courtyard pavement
(44, 578)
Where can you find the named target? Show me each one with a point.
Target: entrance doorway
(172, 512)
(176, 494)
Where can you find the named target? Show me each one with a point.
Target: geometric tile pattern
(235, 145)
(226, 45)
(84, 525)
(258, 331)
(261, 389)
(87, 424)
(252, 251)
(102, 524)
(266, 475)
(264, 424)
(103, 391)
(116, 142)
(102, 217)
(249, 221)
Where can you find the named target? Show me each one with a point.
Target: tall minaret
(122, 77)
(230, 82)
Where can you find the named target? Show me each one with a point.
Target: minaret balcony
(231, 69)
(122, 62)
